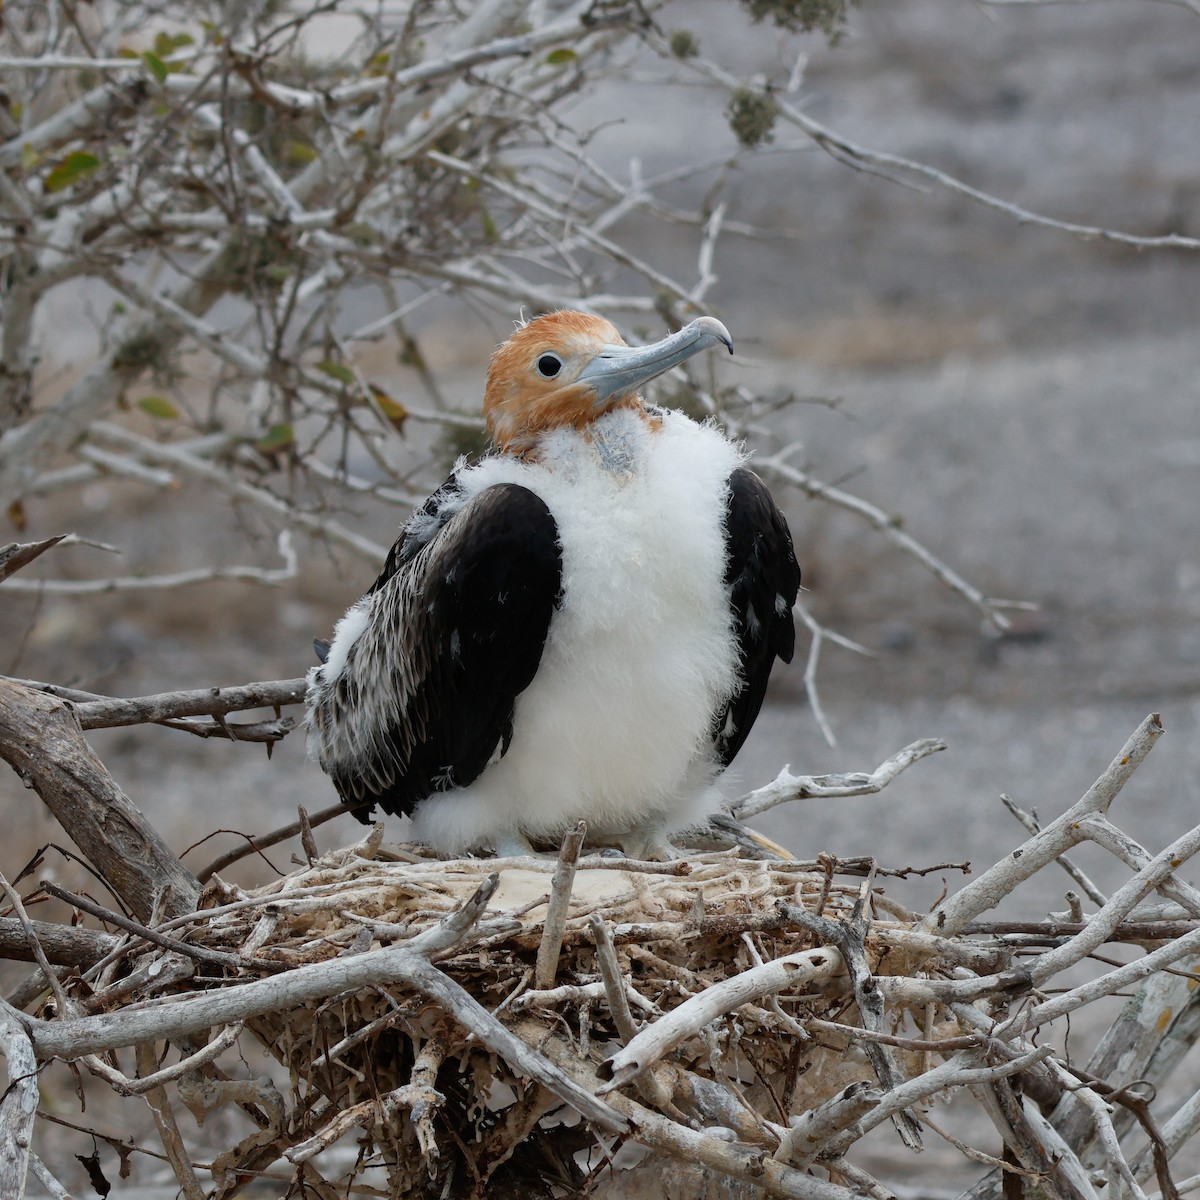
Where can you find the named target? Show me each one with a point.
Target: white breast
(615, 727)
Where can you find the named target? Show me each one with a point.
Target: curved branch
(42, 741)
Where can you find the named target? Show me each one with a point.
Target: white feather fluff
(615, 727)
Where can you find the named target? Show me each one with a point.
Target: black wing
(420, 529)
(456, 624)
(763, 580)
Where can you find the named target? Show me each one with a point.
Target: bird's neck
(612, 439)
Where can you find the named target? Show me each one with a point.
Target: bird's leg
(650, 844)
(515, 845)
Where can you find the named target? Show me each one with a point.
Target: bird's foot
(650, 846)
(516, 845)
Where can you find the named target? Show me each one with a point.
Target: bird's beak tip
(717, 331)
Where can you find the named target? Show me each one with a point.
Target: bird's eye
(549, 365)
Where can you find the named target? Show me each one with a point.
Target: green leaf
(389, 406)
(70, 170)
(158, 406)
(155, 65)
(165, 44)
(561, 56)
(362, 233)
(278, 437)
(336, 370)
(378, 65)
(29, 157)
(299, 152)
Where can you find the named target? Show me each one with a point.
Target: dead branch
(111, 713)
(723, 971)
(238, 173)
(64, 945)
(41, 740)
(988, 889)
(16, 555)
(803, 970)
(19, 1102)
(786, 786)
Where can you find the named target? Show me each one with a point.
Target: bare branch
(653, 1043)
(1044, 847)
(786, 786)
(42, 742)
(903, 169)
(16, 555)
(18, 1103)
(556, 914)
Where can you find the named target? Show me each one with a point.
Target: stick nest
(432, 1105)
(529, 1026)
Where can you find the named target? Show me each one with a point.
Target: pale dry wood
(168, 1129)
(612, 979)
(54, 1189)
(1044, 847)
(41, 740)
(556, 914)
(224, 1039)
(1177, 1131)
(652, 1088)
(962, 1070)
(64, 945)
(270, 577)
(1031, 825)
(407, 964)
(849, 936)
(1127, 850)
(786, 787)
(902, 169)
(418, 123)
(886, 524)
(977, 1012)
(1099, 928)
(18, 1102)
(1024, 1149)
(676, 1141)
(351, 183)
(16, 555)
(815, 1127)
(1112, 981)
(804, 969)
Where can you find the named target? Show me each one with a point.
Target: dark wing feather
(467, 600)
(763, 580)
(421, 528)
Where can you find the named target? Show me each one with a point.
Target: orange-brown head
(568, 368)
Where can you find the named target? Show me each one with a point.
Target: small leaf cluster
(751, 114)
(802, 16)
